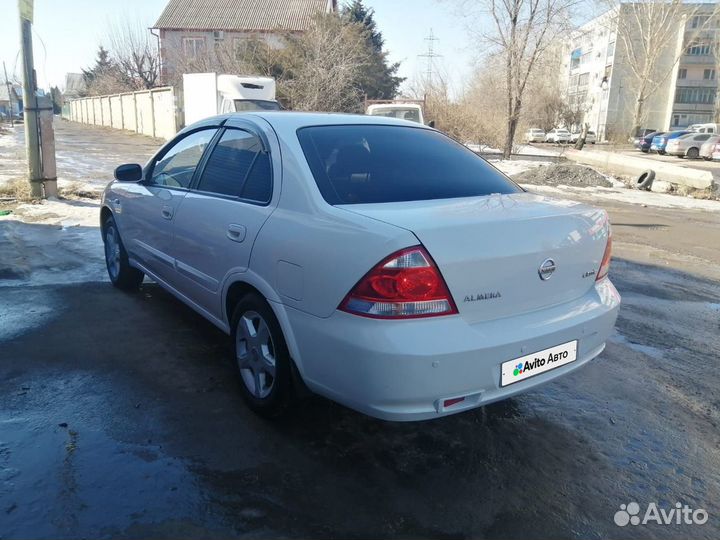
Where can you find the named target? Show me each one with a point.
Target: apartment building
(598, 83)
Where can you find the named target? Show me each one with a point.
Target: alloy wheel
(255, 354)
(112, 252)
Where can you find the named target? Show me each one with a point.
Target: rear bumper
(404, 370)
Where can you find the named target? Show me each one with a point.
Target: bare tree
(325, 65)
(649, 33)
(522, 30)
(135, 52)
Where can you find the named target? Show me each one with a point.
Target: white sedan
(371, 260)
(590, 137)
(558, 135)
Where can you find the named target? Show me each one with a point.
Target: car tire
(693, 153)
(260, 353)
(645, 180)
(122, 275)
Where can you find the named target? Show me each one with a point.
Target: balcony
(695, 60)
(697, 83)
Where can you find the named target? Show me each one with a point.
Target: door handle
(236, 232)
(167, 212)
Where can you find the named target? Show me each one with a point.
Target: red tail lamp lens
(407, 284)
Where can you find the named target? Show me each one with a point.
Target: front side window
(357, 164)
(175, 168)
(238, 167)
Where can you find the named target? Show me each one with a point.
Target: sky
(66, 35)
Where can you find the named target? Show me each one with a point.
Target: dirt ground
(120, 415)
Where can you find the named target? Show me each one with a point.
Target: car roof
(296, 120)
(289, 120)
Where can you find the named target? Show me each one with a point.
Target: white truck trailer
(208, 94)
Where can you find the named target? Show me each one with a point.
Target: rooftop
(253, 15)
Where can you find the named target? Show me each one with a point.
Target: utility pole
(431, 55)
(10, 100)
(30, 106)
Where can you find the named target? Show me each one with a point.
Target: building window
(611, 49)
(698, 21)
(709, 75)
(193, 47)
(699, 49)
(682, 73)
(584, 79)
(575, 58)
(695, 95)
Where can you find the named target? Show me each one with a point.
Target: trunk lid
(490, 249)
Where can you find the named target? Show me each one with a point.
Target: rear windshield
(360, 164)
(409, 113)
(245, 105)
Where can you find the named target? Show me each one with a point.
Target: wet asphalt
(120, 417)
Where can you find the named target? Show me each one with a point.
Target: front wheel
(122, 275)
(262, 357)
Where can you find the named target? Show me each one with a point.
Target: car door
(148, 213)
(218, 220)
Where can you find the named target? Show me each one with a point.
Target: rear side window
(360, 164)
(238, 167)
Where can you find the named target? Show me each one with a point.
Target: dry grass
(76, 190)
(18, 189)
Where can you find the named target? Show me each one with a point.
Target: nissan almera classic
(371, 260)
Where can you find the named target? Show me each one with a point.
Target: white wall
(150, 112)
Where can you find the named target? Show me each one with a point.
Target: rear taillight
(605, 264)
(405, 285)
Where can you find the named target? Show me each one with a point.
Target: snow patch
(631, 196)
(652, 352)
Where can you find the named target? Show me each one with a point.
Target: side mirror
(431, 123)
(130, 172)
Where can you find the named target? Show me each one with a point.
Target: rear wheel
(693, 153)
(122, 275)
(261, 356)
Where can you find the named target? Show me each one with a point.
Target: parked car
(705, 128)
(643, 144)
(590, 137)
(558, 135)
(641, 134)
(660, 141)
(716, 152)
(687, 145)
(535, 135)
(371, 260)
(708, 147)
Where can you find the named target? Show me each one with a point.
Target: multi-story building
(599, 85)
(189, 31)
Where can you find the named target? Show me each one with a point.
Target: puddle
(60, 469)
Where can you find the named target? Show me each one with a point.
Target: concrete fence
(150, 112)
